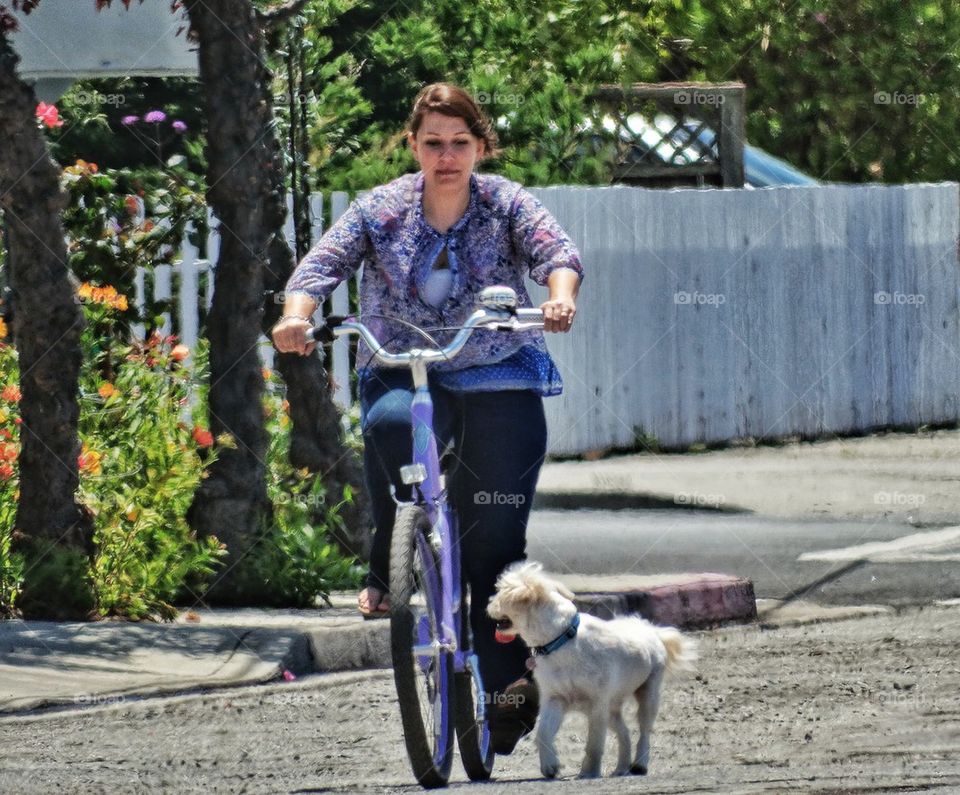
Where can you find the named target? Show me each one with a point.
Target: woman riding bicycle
(431, 242)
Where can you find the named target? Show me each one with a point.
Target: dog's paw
(589, 774)
(550, 770)
(638, 770)
(621, 771)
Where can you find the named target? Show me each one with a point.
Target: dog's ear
(563, 590)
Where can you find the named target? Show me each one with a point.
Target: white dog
(588, 665)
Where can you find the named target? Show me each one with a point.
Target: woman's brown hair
(451, 100)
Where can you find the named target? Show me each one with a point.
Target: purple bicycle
(437, 675)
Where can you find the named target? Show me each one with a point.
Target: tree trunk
(316, 439)
(232, 502)
(53, 532)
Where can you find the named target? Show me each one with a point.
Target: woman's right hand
(290, 336)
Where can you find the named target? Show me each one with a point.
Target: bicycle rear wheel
(423, 672)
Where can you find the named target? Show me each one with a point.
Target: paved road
(764, 550)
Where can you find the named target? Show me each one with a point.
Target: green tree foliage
(856, 91)
(860, 91)
(530, 64)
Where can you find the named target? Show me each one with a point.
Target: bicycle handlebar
(500, 318)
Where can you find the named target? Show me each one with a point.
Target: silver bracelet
(295, 317)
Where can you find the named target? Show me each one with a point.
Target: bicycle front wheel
(422, 670)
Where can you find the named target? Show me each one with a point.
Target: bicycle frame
(444, 532)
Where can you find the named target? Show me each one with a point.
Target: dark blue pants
(500, 440)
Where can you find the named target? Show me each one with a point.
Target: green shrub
(294, 563)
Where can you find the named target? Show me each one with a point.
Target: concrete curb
(685, 601)
(702, 601)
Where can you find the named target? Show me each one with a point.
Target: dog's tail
(681, 650)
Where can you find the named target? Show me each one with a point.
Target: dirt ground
(870, 705)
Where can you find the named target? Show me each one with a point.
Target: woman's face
(446, 151)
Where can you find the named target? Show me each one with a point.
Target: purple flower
(179, 126)
(155, 117)
(128, 120)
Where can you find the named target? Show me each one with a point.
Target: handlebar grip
(324, 334)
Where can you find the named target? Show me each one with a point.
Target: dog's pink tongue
(502, 637)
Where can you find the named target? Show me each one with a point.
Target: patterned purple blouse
(504, 232)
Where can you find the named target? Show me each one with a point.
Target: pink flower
(179, 126)
(128, 120)
(49, 115)
(155, 117)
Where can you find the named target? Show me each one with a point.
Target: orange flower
(108, 296)
(6, 471)
(11, 393)
(107, 390)
(132, 516)
(131, 205)
(3, 329)
(202, 437)
(8, 452)
(179, 352)
(89, 460)
(265, 372)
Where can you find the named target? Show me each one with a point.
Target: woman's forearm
(298, 305)
(563, 283)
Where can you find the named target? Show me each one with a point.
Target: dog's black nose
(504, 623)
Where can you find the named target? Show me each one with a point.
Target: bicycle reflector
(413, 473)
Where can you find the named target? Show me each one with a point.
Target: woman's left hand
(558, 314)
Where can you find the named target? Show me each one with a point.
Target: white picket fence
(715, 314)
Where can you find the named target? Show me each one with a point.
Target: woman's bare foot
(373, 602)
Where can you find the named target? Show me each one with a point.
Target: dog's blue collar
(569, 634)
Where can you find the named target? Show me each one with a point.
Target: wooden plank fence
(708, 315)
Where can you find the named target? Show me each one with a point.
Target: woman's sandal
(373, 611)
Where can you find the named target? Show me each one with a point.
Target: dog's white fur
(595, 672)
